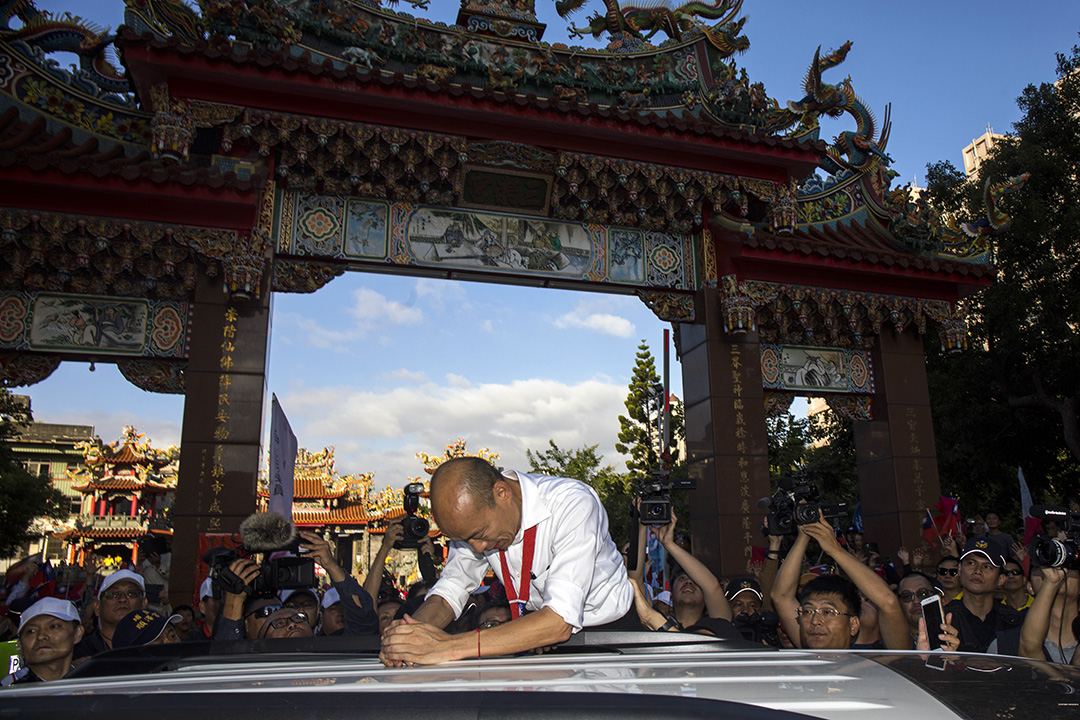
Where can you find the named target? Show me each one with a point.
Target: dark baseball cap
(739, 585)
(982, 546)
(140, 627)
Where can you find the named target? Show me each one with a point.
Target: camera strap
(518, 599)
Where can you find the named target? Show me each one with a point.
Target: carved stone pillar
(894, 452)
(225, 387)
(726, 438)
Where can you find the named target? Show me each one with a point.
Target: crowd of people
(531, 562)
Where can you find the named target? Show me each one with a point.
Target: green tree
(23, 495)
(787, 444)
(640, 434)
(1012, 399)
(616, 490)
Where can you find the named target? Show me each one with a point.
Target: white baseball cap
(62, 609)
(206, 589)
(119, 576)
(332, 596)
(664, 597)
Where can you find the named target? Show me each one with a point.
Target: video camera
(414, 528)
(759, 627)
(262, 533)
(655, 495)
(1051, 552)
(797, 502)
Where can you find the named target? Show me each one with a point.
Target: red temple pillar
(726, 438)
(225, 386)
(894, 452)
(134, 505)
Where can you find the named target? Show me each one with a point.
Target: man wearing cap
(546, 539)
(984, 624)
(305, 600)
(744, 596)
(145, 627)
(332, 617)
(48, 632)
(209, 608)
(120, 593)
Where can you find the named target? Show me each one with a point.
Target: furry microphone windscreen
(266, 531)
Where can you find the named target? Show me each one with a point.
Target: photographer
(241, 616)
(373, 582)
(695, 591)
(827, 615)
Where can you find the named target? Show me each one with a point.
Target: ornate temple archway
(149, 215)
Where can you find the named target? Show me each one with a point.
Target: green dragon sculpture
(852, 150)
(644, 18)
(68, 33)
(915, 221)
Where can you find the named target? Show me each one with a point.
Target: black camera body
(283, 573)
(414, 528)
(655, 506)
(760, 627)
(797, 502)
(1051, 552)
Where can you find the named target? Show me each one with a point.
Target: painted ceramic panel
(626, 250)
(439, 236)
(816, 369)
(403, 234)
(367, 228)
(70, 322)
(95, 325)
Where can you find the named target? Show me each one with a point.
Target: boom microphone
(263, 532)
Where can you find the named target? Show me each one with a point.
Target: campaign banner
(282, 462)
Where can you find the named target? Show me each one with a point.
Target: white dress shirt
(577, 571)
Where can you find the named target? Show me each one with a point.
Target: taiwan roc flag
(929, 529)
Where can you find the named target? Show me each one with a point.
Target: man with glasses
(1015, 586)
(912, 590)
(948, 578)
(985, 625)
(286, 623)
(826, 613)
(120, 593)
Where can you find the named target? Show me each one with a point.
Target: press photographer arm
(230, 623)
(1037, 620)
(786, 586)
(356, 603)
(373, 581)
(716, 603)
(893, 624)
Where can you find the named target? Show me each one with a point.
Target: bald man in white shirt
(551, 531)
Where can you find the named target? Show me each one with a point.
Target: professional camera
(761, 627)
(414, 528)
(262, 533)
(1051, 552)
(655, 494)
(797, 502)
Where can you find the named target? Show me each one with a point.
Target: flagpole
(936, 531)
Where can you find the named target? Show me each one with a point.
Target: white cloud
(370, 312)
(381, 431)
(584, 317)
(410, 376)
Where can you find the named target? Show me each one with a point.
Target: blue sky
(383, 367)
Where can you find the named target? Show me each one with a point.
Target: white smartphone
(934, 616)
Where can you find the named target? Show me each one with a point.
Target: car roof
(680, 677)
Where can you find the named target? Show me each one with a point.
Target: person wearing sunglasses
(121, 593)
(1015, 586)
(948, 578)
(912, 590)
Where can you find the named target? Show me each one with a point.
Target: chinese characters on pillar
(916, 466)
(221, 419)
(741, 460)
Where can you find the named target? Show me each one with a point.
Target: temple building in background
(126, 491)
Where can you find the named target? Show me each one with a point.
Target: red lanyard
(517, 601)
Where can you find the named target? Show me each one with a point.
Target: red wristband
(478, 656)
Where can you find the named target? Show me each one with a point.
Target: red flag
(948, 521)
(929, 529)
